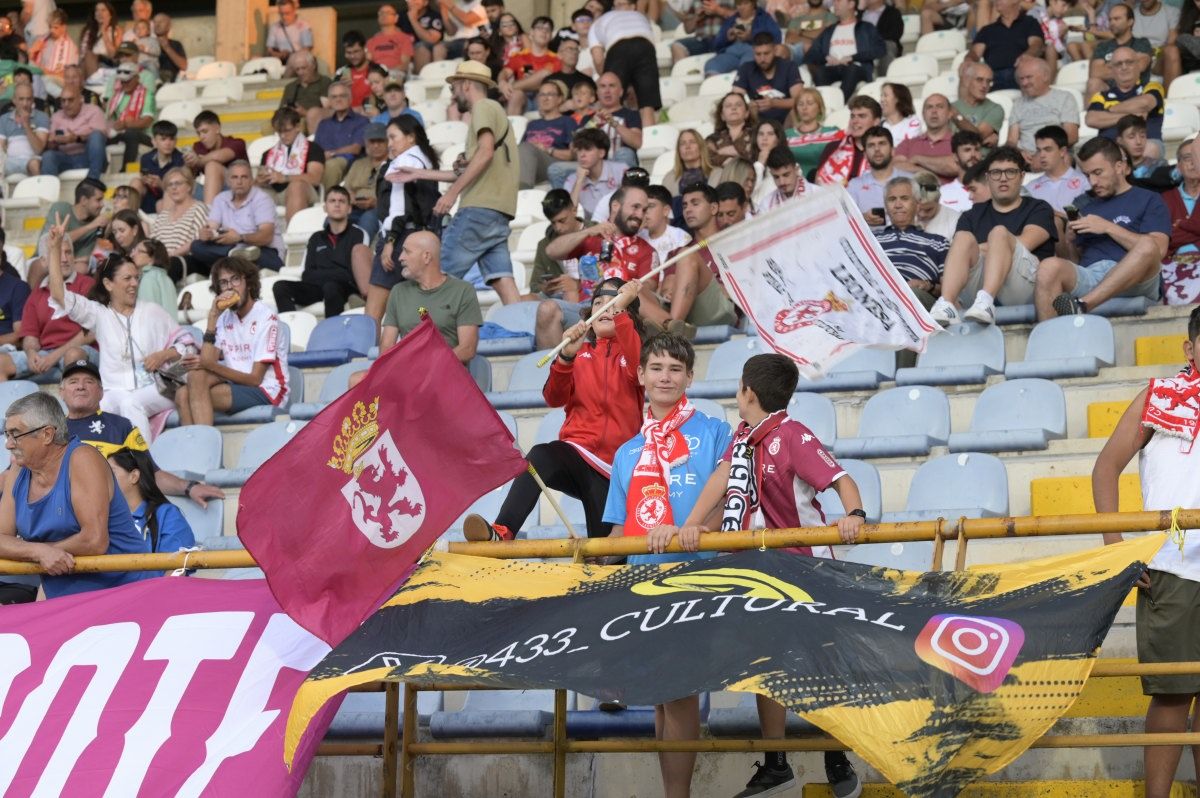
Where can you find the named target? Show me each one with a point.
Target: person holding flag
(595, 379)
(657, 477)
(769, 477)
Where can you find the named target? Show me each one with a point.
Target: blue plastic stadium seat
(866, 476)
(714, 334)
(634, 721)
(549, 426)
(1067, 346)
(481, 371)
(188, 452)
(362, 715)
(913, 555)
(509, 421)
(524, 384)
(899, 422)
(499, 713)
(815, 412)
(499, 347)
(1123, 306)
(1016, 314)
(725, 368)
(336, 383)
(862, 371)
(519, 317)
(956, 485)
(261, 414)
(1016, 415)
(336, 341)
(206, 522)
(13, 390)
(709, 408)
(964, 354)
(742, 720)
(259, 446)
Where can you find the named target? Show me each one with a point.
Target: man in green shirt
(306, 94)
(485, 179)
(450, 302)
(973, 111)
(85, 219)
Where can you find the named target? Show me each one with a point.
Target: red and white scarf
(838, 166)
(744, 492)
(133, 109)
(648, 503)
(288, 160)
(1173, 404)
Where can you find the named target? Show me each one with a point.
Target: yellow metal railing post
(960, 551)
(391, 731)
(408, 781)
(939, 545)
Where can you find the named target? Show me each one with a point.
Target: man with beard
(486, 178)
(867, 188)
(967, 148)
(931, 150)
(845, 160)
(785, 172)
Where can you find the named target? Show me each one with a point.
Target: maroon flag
(339, 516)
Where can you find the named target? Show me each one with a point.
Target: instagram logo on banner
(977, 651)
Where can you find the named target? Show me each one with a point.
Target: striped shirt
(181, 233)
(916, 254)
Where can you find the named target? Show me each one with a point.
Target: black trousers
(562, 467)
(291, 293)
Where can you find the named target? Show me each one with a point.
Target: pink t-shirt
(793, 468)
(89, 118)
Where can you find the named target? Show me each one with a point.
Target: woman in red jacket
(595, 379)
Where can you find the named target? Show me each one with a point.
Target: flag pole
(553, 501)
(693, 249)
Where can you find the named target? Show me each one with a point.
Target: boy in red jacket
(595, 379)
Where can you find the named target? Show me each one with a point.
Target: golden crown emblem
(836, 303)
(655, 490)
(359, 431)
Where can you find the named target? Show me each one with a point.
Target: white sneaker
(983, 311)
(944, 313)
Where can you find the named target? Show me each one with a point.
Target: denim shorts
(245, 397)
(1088, 277)
(21, 360)
(477, 235)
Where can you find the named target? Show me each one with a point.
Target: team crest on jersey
(386, 501)
(804, 312)
(774, 447)
(652, 508)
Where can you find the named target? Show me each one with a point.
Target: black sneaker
(768, 781)
(1067, 305)
(840, 773)
(612, 705)
(477, 530)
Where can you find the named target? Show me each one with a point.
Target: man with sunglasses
(996, 247)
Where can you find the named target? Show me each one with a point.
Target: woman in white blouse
(134, 337)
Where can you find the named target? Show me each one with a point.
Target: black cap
(81, 365)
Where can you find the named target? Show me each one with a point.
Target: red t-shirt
(387, 49)
(227, 142)
(793, 468)
(632, 257)
(524, 62)
(36, 318)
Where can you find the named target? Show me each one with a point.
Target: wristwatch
(860, 513)
(187, 491)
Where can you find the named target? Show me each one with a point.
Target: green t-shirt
(84, 244)
(986, 113)
(451, 305)
(496, 186)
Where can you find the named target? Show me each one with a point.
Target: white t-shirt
(955, 196)
(943, 223)
(255, 339)
(843, 45)
(413, 158)
(1168, 466)
(474, 10)
(614, 26)
(672, 239)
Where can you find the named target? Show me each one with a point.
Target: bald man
(451, 302)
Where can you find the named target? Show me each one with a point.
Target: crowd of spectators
(977, 202)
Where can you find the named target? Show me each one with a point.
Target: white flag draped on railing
(817, 285)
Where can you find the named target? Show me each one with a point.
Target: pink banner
(172, 686)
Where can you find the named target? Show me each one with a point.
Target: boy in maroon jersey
(769, 478)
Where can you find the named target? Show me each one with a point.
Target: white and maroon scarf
(1173, 404)
(133, 109)
(743, 494)
(288, 160)
(648, 503)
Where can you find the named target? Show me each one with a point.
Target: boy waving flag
(338, 518)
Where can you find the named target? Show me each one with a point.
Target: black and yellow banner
(935, 679)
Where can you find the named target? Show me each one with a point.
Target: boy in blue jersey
(656, 478)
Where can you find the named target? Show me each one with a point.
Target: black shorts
(381, 277)
(636, 64)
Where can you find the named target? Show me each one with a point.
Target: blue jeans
(367, 220)
(477, 234)
(729, 59)
(93, 158)
(205, 253)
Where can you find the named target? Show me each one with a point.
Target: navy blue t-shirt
(1005, 44)
(982, 217)
(149, 165)
(13, 293)
(778, 87)
(555, 133)
(1137, 210)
